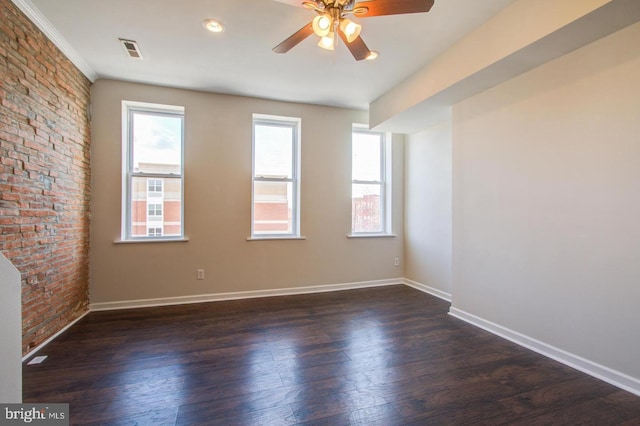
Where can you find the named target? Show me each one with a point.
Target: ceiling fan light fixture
(213, 25)
(350, 29)
(328, 42)
(322, 25)
(331, 19)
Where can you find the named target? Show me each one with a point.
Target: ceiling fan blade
(299, 3)
(393, 7)
(357, 47)
(295, 38)
(291, 2)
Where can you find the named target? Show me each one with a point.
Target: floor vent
(37, 360)
(132, 49)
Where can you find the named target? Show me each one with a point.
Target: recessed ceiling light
(372, 55)
(213, 25)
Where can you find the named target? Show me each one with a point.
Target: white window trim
(386, 160)
(296, 123)
(127, 108)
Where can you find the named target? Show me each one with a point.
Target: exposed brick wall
(44, 176)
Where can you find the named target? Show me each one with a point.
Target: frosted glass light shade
(350, 29)
(321, 25)
(327, 42)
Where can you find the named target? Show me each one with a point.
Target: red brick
(44, 176)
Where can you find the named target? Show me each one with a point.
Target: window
(276, 170)
(155, 186)
(369, 187)
(155, 211)
(155, 232)
(153, 144)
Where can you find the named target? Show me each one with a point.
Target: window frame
(295, 123)
(384, 183)
(129, 108)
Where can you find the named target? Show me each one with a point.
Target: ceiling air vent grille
(132, 49)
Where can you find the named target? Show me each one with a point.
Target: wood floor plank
(381, 356)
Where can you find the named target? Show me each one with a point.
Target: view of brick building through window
(153, 172)
(156, 202)
(275, 176)
(366, 213)
(367, 187)
(272, 212)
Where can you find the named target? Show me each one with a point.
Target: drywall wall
(10, 333)
(218, 203)
(546, 201)
(522, 36)
(427, 238)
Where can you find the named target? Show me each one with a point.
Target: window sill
(153, 241)
(371, 235)
(273, 238)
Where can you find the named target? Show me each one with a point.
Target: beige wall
(522, 36)
(218, 203)
(427, 239)
(546, 202)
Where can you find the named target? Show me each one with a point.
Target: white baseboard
(430, 290)
(50, 339)
(181, 300)
(606, 374)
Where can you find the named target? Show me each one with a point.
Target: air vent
(37, 360)
(132, 49)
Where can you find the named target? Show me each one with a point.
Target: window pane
(155, 232)
(154, 210)
(273, 151)
(366, 156)
(272, 208)
(156, 213)
(155, 185)
(366, 208)
(156, 143)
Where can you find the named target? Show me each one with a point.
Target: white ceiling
(179, 52)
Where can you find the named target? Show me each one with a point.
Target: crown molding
(34, 14)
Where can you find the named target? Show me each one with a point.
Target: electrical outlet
(396, 261)
(200, 274)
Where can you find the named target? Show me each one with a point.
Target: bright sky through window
(157, 139)
(274, 155)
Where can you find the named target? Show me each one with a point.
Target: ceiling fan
(332, 18)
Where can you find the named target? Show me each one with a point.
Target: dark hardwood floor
(380, 356)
